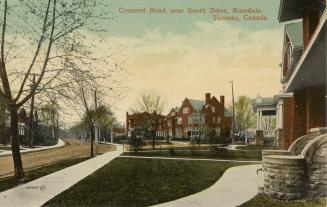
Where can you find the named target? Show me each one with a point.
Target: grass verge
(262, 200)
(141, 182)
(10, 182)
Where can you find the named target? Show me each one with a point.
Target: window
(218, 119)
(7, 121)
(213, 119)
(289, 52)
(179, 120)
(173, 113)
(213, 109)
(196, 119)
(21, 129)
(186, 110)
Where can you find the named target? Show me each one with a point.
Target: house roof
(176, 109)
(196, 104)
(264, 100)
(295, 33)
(290, 10)
(311, 68)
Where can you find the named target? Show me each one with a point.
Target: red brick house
(189, 120)
(171, 122)
(145, 119)
(302, 104)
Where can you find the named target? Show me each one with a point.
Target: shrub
(171, 152)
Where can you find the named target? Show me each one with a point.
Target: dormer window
(287, 58)
(289, 51)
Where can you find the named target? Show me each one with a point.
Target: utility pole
(31, 120)
(96, 132)
(233, 123)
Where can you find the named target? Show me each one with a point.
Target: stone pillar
(259, 138)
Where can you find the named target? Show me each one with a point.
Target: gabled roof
(196, 104)
(176, 109)
(295, 33)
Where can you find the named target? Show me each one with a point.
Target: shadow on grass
(141, 182)
(262, 200)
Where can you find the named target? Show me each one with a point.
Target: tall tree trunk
(18, 165)
(153, 139)
(92, 140)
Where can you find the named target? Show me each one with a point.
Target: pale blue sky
(179, 56)
(135, 24)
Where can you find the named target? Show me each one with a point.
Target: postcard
(166, 103)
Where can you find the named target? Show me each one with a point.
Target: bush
(171, 152)
(221, 152)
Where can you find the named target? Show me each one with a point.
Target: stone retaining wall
(291, 175)
(283, 176)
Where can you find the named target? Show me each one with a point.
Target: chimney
(222, 100)
(207, 98)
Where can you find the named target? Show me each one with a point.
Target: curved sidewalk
(38, 192)
(60, 143)
(236, 186)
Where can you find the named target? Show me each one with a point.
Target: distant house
(151, 121)
(171, 122)
(265, 109)
(5, 131)
(189, 120)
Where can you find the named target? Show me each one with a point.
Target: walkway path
(38, 192)
(37, 148)
(236, 186)
(199, 159)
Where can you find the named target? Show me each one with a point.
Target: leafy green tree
(244, 116)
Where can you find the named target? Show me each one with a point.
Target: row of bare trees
(54, 41)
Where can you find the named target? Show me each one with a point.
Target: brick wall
(316, 111)
(300, 121)
(304, 111)
(288, 116)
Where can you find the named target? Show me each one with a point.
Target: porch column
(260, 120)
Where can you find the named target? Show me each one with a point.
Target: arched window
(287, 58)
(289, 52)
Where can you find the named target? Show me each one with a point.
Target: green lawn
(202, 152)
(10, 182)
(262, 200)
(141, 182)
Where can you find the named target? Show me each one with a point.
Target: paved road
(38, 192)
(31, 160)
(236, 186)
